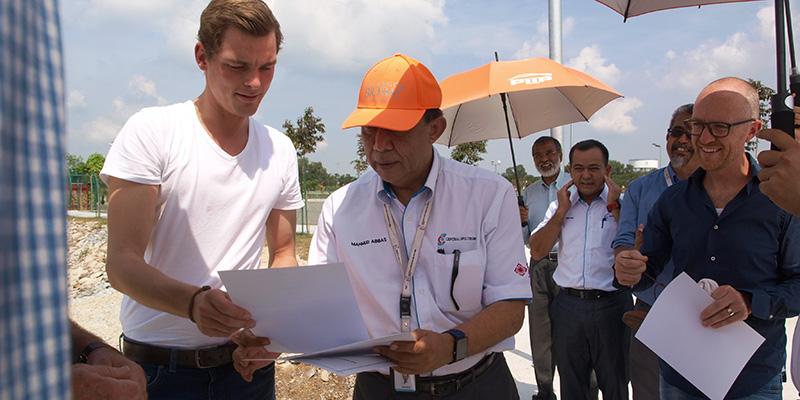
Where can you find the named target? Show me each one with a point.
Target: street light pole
(659, 152)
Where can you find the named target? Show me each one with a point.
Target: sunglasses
(677, 132)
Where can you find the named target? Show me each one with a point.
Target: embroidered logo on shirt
(368, 241)
(520, 269)
(444, 238)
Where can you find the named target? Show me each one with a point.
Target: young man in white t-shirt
(195, 188)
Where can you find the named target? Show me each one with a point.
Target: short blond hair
(250, 16)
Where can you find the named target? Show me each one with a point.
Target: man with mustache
(537, 197)
(588, 333)
(636, 204)
(719, 225)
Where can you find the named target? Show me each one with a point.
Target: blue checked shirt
(34, 330)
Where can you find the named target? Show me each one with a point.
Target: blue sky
(122, 55)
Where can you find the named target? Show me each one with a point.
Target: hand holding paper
(429, 351)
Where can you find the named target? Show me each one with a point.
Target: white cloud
(766, 22)
(76, 100)
(591, 61)
(539, 46)
(670, 54)
(615, 116)
(321, 146)
(349, 34)
(127, 7)
(708, 61)
(144, 87)
(101, 130)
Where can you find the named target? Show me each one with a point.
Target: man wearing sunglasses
(719, 225)
(636, 204)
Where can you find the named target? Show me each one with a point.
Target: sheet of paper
(358, 348)
(349, 365)
(301, 310)
(710, 359)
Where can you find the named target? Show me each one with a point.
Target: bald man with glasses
(719, 225)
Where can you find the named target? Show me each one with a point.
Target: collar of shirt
(575, 196)
(696, 179)
(386, 194)
(672, 173)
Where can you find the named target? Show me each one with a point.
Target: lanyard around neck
(668, 177)
(411, 264)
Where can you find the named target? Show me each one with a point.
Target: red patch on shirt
(521, 270)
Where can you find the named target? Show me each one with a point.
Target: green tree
(623, 174)
(94, 163)
(469, 153)
(305, 136)
(360, 163)
(524, 178)
(765, 94)
(75, 164)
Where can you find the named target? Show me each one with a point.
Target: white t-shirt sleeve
(507, 267)
(137, 154)
(551, 210)
(323, 243)
(290, 198)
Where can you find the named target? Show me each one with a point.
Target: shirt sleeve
(782, 300)
(290, 198)
(628, 217)
(136, 154)
(507, 272)
(323, 242)
(551, 210)
(656, 244)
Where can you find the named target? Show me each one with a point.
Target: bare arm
(280, 238)
(131, 217)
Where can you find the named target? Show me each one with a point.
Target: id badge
(404, 383)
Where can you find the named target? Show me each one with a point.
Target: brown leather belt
(207, 357)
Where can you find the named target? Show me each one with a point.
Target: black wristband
(191, 302)
(83, 357)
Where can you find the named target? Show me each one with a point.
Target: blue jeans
(773, 390)
(219, 383)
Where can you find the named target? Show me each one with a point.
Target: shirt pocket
(467, 290)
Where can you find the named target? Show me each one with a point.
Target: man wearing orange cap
(464, 290)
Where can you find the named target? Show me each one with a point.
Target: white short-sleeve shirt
(473, 210)
(585, 255)
(213, 207)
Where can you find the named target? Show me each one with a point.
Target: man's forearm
(544, 239)
(495, 323)
(132, 276)
(80, 338)
(283, 259)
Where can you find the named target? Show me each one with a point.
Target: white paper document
(311, 311)
(302, 309)
(354, 358)
(709, 358)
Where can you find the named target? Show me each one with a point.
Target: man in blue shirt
(636, 204)
(719, 225)
(547, 156)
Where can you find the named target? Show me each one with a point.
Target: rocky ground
(95, 305)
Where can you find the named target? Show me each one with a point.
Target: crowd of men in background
(205, 172)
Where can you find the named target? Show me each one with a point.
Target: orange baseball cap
(394, 95)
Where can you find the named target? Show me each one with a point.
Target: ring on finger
(730, 312)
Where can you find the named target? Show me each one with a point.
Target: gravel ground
(95, 306)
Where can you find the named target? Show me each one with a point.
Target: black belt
(588, 293)
(207, 357)
(553, 257)
(447, 385)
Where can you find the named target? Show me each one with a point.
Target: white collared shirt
(585, 256)
(473, 210)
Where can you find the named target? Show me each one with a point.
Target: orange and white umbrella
(541, 94)
(515, 99)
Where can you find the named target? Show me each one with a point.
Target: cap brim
(392, 119)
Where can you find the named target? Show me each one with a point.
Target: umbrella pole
(510, 142)
(782, 116)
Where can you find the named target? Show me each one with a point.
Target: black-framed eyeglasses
(716, 128)
(677, 132)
